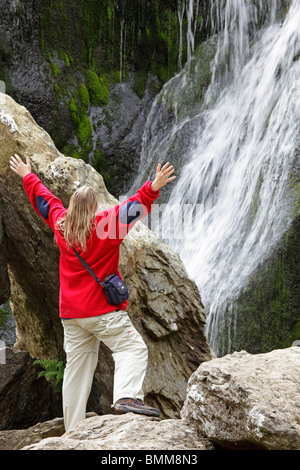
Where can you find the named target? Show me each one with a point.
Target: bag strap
(87, 267)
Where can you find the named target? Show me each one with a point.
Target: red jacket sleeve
(45, 204)
(117, 221)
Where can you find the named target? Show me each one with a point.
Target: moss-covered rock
(84, 130)
(98, 87)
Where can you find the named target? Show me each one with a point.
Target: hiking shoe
(135, 405)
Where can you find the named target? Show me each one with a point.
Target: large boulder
(245, 401)
(127, 432)
(165, 305)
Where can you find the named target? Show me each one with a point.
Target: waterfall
(192, 4)
(238, 164)
(191, 7)
(122, 46)
(180, 12)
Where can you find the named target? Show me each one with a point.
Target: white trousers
(82, 337)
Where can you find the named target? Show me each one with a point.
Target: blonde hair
(77, 224)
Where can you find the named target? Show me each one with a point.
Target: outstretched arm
(45, 204)
(117, 221)
(139, 205)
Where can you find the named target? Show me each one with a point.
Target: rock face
(164, 305)
(16, 439)
(248, 401)
(48, 50)
(24, 400)
(127, 432)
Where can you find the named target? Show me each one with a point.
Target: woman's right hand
(20, 168)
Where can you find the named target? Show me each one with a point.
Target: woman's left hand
(16, 165)
(162, 176)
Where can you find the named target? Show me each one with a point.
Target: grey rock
(245, 401)
(127, 432)
(16, 439)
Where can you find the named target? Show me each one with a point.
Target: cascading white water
(191, 8)
(240, 160)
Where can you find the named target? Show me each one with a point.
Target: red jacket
(80, 295)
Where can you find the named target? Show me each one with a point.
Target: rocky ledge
(127, 432)
(239, 401)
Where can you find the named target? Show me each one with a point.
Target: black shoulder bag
(114, 287)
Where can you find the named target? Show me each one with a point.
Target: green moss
(74, 112)
(116, 76)
(89, 31)
(57, 90)
(164, 73)
(71, 150)
(4, 313)
(66, 58)
(78, 107)
(84, 96)
(98, 87)
(84, 131)
(75, 154)
(54, 67)
(140, 82)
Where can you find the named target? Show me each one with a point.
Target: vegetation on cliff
(95, 44)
